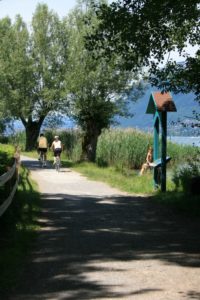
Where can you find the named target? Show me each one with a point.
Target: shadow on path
(35, 165)
(78, 231)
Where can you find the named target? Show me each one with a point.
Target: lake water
(185, 140)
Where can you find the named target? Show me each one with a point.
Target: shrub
(6, 157)
(186, 175)
(19, 138)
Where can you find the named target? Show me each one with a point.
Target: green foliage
(123, 148)
(71, 140)
(18, 138)
(126, 181)
(143, 32)
(180, 202)
(18, 227)
(181, 154)
(32, 69)
(183, 175)
(98, 89)
(178, 77)
(6, 157)
(127, 148)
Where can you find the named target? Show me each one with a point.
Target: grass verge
(18, 227)
(128, 180)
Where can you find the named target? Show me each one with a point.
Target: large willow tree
(98, 88)
(32, 69)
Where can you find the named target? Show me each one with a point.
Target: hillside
(185, 104)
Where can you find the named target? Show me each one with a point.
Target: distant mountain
(185, 104)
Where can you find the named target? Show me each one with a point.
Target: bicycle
(42, 159)
(57, 163)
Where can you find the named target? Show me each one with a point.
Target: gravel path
(99, 243)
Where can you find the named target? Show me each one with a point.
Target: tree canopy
(143, 32)
(32, 69)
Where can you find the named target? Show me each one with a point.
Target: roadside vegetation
(88, 67)
(119, 156)
(18, 225)
(6, 157)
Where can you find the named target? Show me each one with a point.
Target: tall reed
(122, 148)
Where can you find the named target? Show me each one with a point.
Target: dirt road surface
(96, 242)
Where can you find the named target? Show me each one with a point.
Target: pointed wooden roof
(160, 102)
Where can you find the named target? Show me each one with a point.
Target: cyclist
(42, 147)
(57, 147)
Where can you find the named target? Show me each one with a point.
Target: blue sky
(26, 8)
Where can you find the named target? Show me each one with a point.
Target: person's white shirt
(57, 145)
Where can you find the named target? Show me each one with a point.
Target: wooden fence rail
(11, 174)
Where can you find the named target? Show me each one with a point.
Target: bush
(181, 153)
(3, 139)
(19, 139)
(6, 157)
(185, 176)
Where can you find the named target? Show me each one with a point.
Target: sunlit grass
(128, 181)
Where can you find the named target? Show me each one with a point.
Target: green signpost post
(159, 104)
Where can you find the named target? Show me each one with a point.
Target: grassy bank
(119, 157)
(132, 183)
(18, 227)
(6, 157)
(128, 181)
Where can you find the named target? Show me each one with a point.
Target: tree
(98, 89)
(181, 78)
(142, 32)
(33, 66)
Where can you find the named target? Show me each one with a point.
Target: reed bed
(127, 149)
(122, 148)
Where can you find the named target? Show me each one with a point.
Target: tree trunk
(32, 129)
(89, 144)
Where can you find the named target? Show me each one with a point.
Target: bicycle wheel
(42, 160)
(57, 164)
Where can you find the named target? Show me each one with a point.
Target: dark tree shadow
(76, 231)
